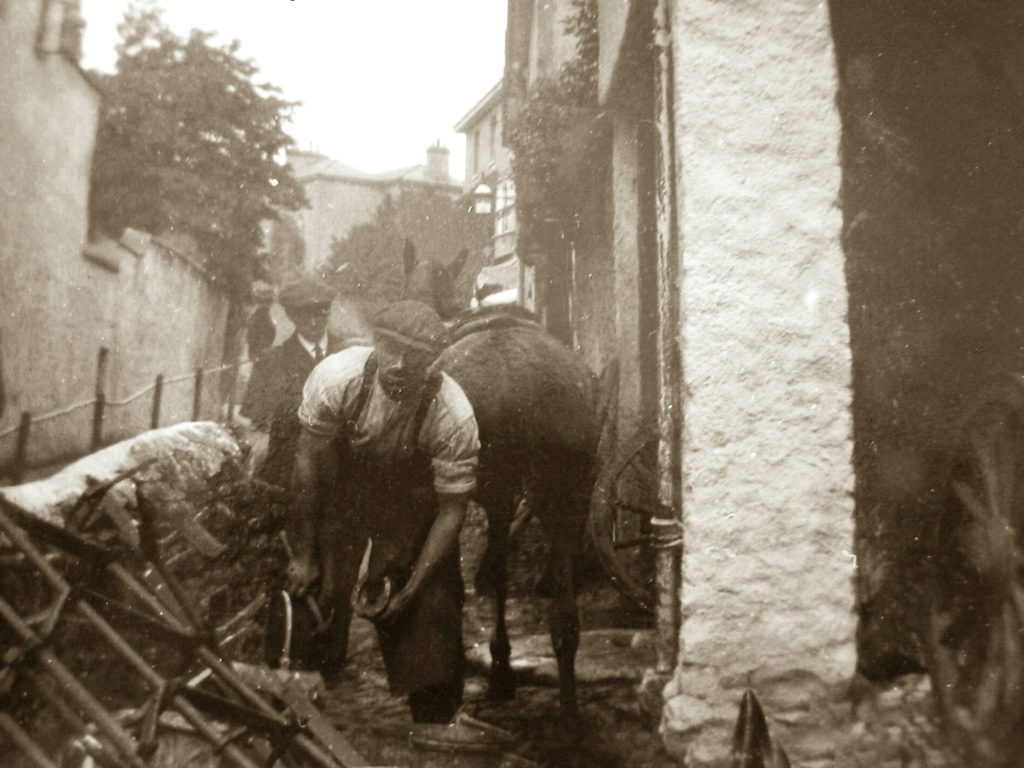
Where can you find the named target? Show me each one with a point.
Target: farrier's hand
(302, 573)
(397, 605)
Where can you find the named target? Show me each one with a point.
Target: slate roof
(309, 165)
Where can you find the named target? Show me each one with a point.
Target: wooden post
(21, 448)
(197, 395)
(158, 394)
(232, 373)
(101, 399)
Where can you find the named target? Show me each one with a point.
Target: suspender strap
(370, 370)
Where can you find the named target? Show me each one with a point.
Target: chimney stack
(437, 163)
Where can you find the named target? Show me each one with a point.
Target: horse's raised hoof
(501, 684)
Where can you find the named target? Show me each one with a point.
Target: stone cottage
(341, 196)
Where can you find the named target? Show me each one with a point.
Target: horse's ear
(409, 257)
(458, 263)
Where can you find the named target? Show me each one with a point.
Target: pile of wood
(131, 615)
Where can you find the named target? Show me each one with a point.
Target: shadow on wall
(933, 190)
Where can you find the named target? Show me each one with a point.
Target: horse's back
(531, 394)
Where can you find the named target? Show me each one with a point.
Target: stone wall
(168, 317)
(767, 598)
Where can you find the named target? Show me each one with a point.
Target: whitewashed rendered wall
(768, 513)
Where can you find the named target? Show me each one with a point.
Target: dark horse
(534, 401)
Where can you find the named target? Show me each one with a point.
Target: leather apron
(390, 498)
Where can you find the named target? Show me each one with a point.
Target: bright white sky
(380, 80)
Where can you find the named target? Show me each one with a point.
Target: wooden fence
(211, 396)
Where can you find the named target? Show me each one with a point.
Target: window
(505, 207)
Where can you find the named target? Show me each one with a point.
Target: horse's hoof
(501, 685)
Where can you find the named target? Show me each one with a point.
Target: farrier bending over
(388, 450)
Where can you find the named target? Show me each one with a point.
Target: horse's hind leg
(501, 684)
(563, 618)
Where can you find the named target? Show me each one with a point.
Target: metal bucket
(465, 743)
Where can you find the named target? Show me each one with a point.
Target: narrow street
(891, 726)
(614, 651)
(746, 277)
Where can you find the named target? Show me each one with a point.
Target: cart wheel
(620, 522)
(976, 618)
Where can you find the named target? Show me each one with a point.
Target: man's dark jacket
(272, 400)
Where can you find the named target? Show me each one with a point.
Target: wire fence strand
(134, 396)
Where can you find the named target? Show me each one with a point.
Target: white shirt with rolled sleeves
(449, 434)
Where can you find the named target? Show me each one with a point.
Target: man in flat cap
(397, 442)
(275, 387)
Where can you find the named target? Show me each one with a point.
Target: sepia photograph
(511, 383)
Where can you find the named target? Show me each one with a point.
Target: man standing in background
(275, 388)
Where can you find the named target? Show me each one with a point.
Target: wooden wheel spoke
(989, 542)
(976, 635)
(617, 525)
(996, 451)
(943, 664)
(985, 453)
(987, 693)
(1006, 449)
(1017, 598)
(971, 502)
(1012, 653)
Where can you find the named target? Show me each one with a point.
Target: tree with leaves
(189, 141)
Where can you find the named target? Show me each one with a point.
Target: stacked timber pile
(131, 603)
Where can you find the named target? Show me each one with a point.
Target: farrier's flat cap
(305, 292)
(411, 324)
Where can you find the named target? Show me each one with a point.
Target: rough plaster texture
(625, 252)
(151, 307)
(168, 318)
(768, 516)
(47, 120)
